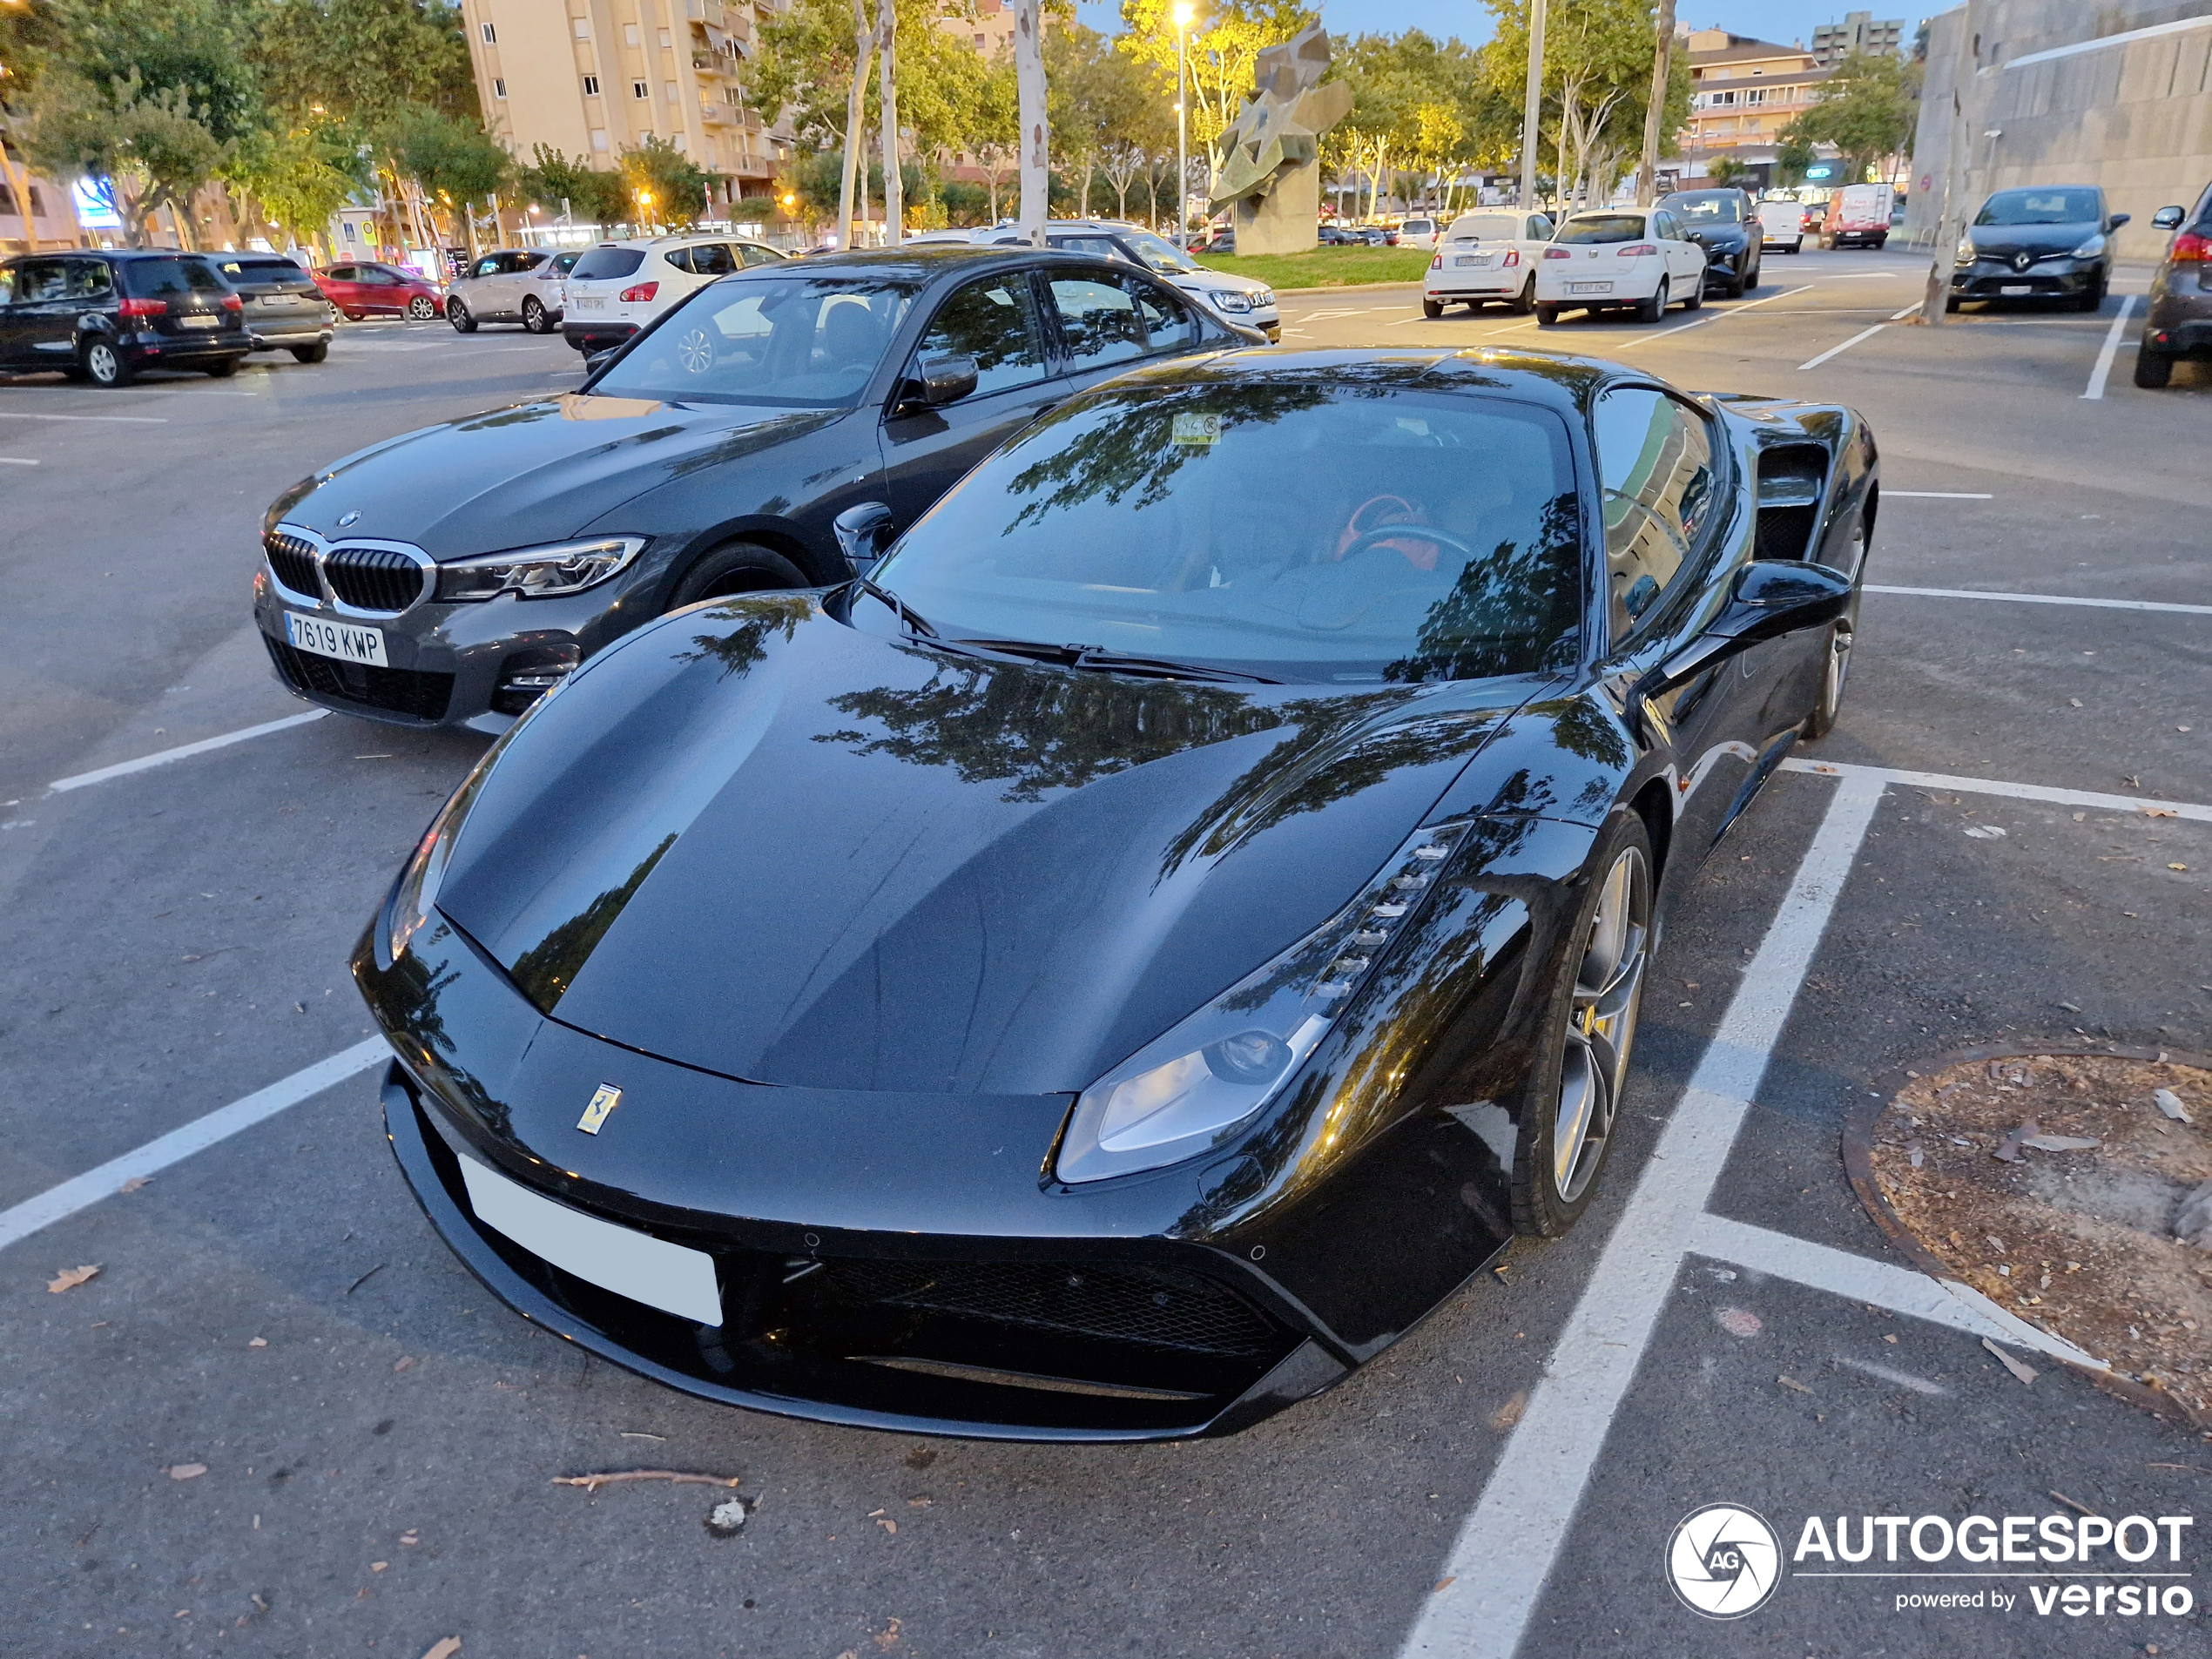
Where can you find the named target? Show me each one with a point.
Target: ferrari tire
(1570, 1104)
(733, 569)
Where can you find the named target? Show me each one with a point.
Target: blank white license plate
(1463, 261)
(342, 640)
(635, 1264)
(199, 322)
(589, 304)
(1589, 287)
(2017, 288)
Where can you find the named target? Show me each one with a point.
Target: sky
(1779, 20)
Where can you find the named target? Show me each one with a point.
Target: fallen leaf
(2170, 1104)
(2025, 1374)
(1792, 1383)
(2160, 811)
(1509, 1413)
(1444, 1584)
(886, 1638)
(2058, 1143)
(257, 1342)
(184, 1471)
(378, 1567)
(407, 1537)
(70, 1277)
(2177, 867)
(403, 1362)
(888, 1525)
(443, 1648)
(134, 1183)
(1739, 1322)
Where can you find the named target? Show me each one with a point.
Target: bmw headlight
(538, 572)
(1231, 299)
(2090, 249)
(1187, 1090)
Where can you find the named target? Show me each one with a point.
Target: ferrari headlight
(1231, 299)
(1187, 1090)
(414, 895)
(2090, 249)
(538, 572)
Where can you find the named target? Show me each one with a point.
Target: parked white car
(1419, 232)
(1782, 224)
(615, 288)
(1239, 299)
(501, 287)
(1487, 256)
(1612, 259)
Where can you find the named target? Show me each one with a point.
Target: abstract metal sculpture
(1271, 156)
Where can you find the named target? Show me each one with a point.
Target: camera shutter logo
(1723, 1560)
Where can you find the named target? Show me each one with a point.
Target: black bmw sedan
(1112, 966)
(2042, 242)
(451, 575)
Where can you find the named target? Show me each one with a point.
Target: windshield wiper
(899, 607)
(1104, 661)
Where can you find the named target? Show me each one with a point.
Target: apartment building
(595, 77)
(1858, 32)
(1742, 93)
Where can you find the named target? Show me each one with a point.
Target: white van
(1782, 224)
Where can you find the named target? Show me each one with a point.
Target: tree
(1104, 104)
(444, 160)
(300, 177)
(1867, 109)
(553, 178)
(1597, 74)
(158, 146)
(361, 61)
(657, 170)
(1725, 170)
(1791, 157)
(1034, 144)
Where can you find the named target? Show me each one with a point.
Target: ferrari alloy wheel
(1572, 1097)
(422, 307)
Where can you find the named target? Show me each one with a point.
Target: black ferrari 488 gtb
(1110, 968)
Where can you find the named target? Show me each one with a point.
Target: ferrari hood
(531, 473)
(755, 840)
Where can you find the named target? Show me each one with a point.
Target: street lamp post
(1181, 131)
(1532, 106)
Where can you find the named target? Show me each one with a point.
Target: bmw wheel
(1572, 1101)
(422, 307)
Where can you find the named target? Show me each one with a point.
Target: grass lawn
(1324, 267)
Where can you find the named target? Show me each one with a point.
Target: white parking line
(1884, 1285)
(16, 460)
(1495, 1573)
(130, 420)
(57, 1203)
(1717, 316)
(2046, 599)
(1939, 494)
(2098, 374)
(182, 751)
(1956, 786)
(1837, 351)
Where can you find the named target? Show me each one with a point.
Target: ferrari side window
(1655, 463)
(994, 321)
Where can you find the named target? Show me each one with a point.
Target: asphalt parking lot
(381, 1439)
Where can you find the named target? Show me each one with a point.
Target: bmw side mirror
(863, 533)
(1771, 597)
(941, 381)
(2169, 218)
(2118, 219)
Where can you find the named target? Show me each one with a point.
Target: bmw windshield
(1286, 532)
(793, 342)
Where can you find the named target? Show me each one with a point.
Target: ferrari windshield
(1308, 532)
(791, 341)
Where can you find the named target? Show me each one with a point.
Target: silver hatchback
(514, 285)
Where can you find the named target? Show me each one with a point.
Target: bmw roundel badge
(353, 517)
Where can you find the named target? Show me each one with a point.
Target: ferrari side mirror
(863, 533)
(1771, 597)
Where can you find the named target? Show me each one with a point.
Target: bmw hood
(757, 841)
(530, 473)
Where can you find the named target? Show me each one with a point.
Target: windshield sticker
(1200, 430)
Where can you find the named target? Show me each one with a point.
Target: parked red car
(375, 290)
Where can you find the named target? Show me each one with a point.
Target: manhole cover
(2051, 1183)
